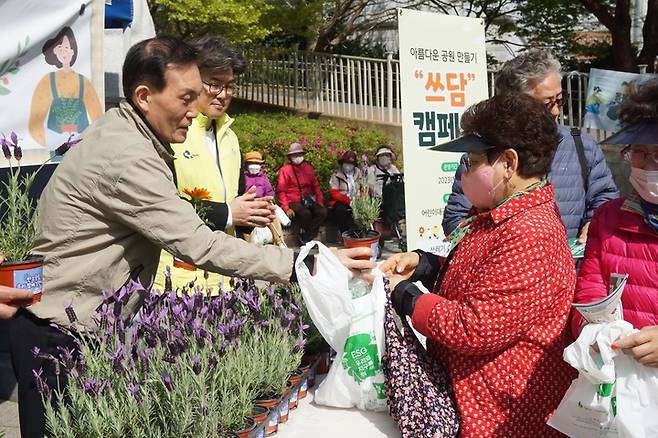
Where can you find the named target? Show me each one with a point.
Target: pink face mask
(479, 188)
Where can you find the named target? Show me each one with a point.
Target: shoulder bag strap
(580, 150)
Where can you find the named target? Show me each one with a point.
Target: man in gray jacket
(581, 179)
(112, 205)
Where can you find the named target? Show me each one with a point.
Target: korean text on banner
(442, 73)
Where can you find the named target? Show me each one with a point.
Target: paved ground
(9, 419)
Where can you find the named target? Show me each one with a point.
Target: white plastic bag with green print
(614, 395)
(350, 317)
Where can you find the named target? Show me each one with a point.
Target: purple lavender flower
(204, 410)
(70, 313)
(18, 152)
(90, 387)
(196, 364)
(166, 379)
(134, 389)
(68, 144)
(168, 286)
(41, 384)
(5, 148)
(212, 362)
(35, 351)
(117, 358)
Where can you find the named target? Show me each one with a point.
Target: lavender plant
(188, 364)
(19, 221)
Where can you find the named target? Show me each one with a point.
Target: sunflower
(198, 193)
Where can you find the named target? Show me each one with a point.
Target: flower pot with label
(249, 427)
(273, 419)
(26, 274)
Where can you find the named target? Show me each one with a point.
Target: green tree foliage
(240, 21)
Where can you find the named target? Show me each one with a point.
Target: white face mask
(253, 169)
(645, 183)
(297, 160)
(348, 167)
(384, 161)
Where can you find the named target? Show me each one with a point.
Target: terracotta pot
(323, 364)
(273, 421)
(259, 414)
(294, 382)
(250, 426)
(27, 274)
(178, 263)
(284, 408)
(68, 127)
(371, 240)
(306, 371)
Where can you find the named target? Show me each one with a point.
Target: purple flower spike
(204, 410)
(42, 386)
(18, 153)
(5, 148)
(196, 364)
(133, 388)
(36, 351)
(166, 379)
(14, 139)
(68, 308)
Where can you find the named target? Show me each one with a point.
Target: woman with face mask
(383, 166)
(255, 177)
(499, 305)
(342, 187)
(299, 195)
(623, 235)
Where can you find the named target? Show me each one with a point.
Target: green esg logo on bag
(360, 358)
(449, 166)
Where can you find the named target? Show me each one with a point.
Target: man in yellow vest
(208, 163)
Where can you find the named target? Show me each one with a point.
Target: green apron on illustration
(67, 116)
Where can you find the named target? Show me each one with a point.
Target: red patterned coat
(498, 321)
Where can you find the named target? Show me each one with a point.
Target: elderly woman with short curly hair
(500, 304)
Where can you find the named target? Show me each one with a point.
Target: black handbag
(307, 201)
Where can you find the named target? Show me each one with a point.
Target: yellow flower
(197, 193)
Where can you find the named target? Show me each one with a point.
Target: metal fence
(354, 87)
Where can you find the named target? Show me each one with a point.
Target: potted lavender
(186, 355)
(19, 221)
(365, 211)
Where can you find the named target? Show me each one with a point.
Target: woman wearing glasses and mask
(498, 307)
(624, 232)
(210, 160)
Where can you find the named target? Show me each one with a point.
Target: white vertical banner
(46, 66)
(443, 71)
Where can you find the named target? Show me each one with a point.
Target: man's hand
(11, 299)
(247, 210)
(643, 346)
(348, 256)
(290, 213)
(400, 267)
(582, 238)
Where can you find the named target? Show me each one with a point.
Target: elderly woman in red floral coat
(497, 314)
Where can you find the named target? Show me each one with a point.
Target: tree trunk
(650, 37)
(623, 53)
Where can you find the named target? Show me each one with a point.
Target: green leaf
(4, 91)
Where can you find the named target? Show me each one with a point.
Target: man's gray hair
(523, 73)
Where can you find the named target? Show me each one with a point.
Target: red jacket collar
(518, 205)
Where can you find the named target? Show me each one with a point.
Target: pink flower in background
(331, 149)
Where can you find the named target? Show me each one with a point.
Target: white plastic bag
(614, 395)
(261, 236)
(353, 326)
(282, 216)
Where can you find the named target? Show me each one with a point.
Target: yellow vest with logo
(196, 167)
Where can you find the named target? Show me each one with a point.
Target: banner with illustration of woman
(47, 87)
